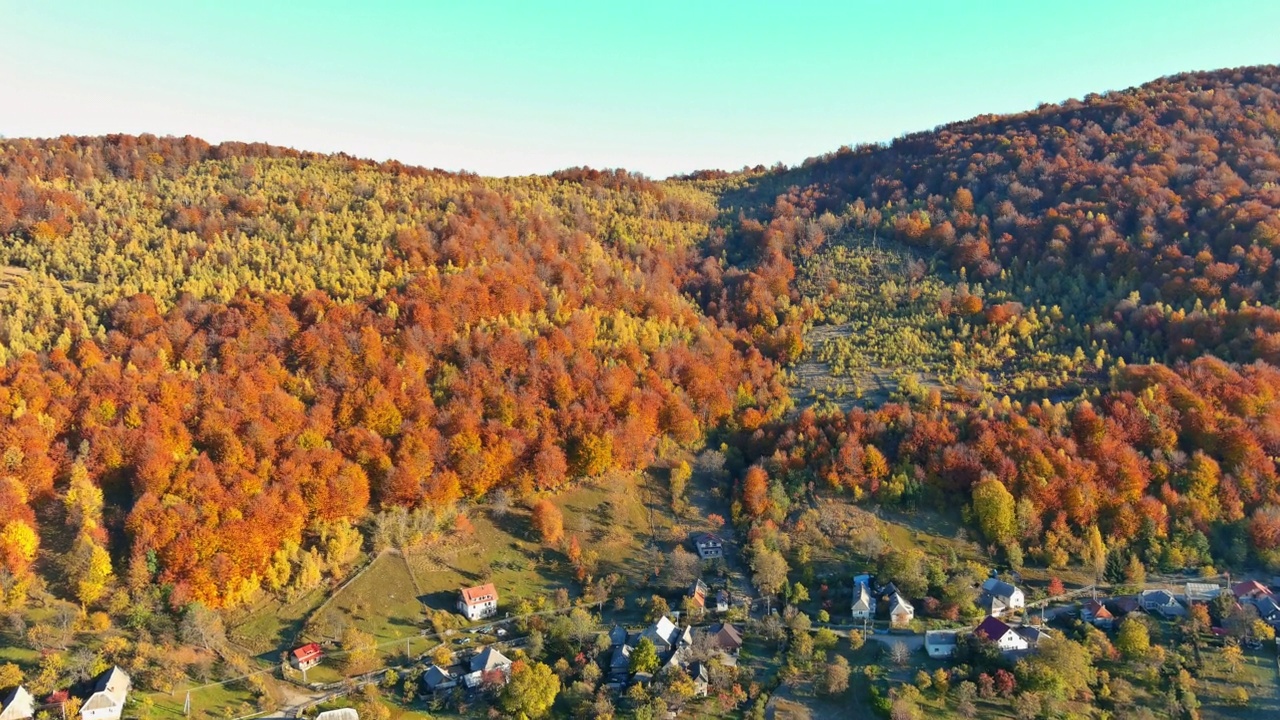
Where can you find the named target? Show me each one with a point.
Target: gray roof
(940, 637)
(698, 671)
(489, 659)
(621, 657)
(618, 635)
(998, 588)
(1159, 597)
(435, 676)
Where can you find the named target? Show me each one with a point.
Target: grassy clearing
(610, 518)
(274, 625)
(219, 701)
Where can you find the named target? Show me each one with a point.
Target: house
(487, 666)
(437, 678)
(991, 605)
(1268, 609)
(1250, 590)
(1005, 638)
(306, 657)
(17, 704)
(864, 605)
(1097, 613)
(701, 677)
(478, 602)
(1009, 597)
(1124, 606)
(339, 714)
(617, 635)
(1031, 634)
(940, 643)
(620, 661)
(699, 593)
(1201, 592)
(667, 637)
(900, 611)
(709, 546)
(1161, 602)
(722, 600)
(110, 691)
(727, 638)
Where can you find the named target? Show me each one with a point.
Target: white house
(999, 596)
(666, 636)
(940, 643)
(864, 604)
(17, 704)
(479, 602)
(107, 701)
(1001, 634)
(709, 546)
(901, 612)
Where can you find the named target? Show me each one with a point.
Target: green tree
(531, 691)
(1133, 640)
(644, 657)
(994, 510)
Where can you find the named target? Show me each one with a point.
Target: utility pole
(186, 706)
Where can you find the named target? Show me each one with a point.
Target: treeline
(234, 353)
(1171, 466)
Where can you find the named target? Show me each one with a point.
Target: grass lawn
(274, 626)
(218, 701)
(1257, 676)
(610, 518)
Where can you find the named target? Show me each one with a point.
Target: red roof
(307, 653)
(479, 594)
(1249, 588)
(994, 628)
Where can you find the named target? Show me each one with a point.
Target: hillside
(224, 369)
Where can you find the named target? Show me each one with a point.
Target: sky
(511, 88)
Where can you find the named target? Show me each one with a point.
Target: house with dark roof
(478, 602)
(17, 704)
(110, 691)
(1268, 610)
(1124, 606)
(617, 635)
(999, 597)
(722, 600)
(1161, 602)
(701, 677)
(437, 678)
(306, 657)
(726, 638)
(940, 643)
(1000, 633)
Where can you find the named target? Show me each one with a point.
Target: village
(688, 654)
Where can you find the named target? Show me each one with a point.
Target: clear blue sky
(522, 87)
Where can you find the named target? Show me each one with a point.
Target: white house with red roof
(306, 657)
(478, 602)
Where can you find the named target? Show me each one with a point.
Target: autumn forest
(224, 367)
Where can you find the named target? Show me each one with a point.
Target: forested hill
(1153, 211)
(217, 359)
(1099, 260)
